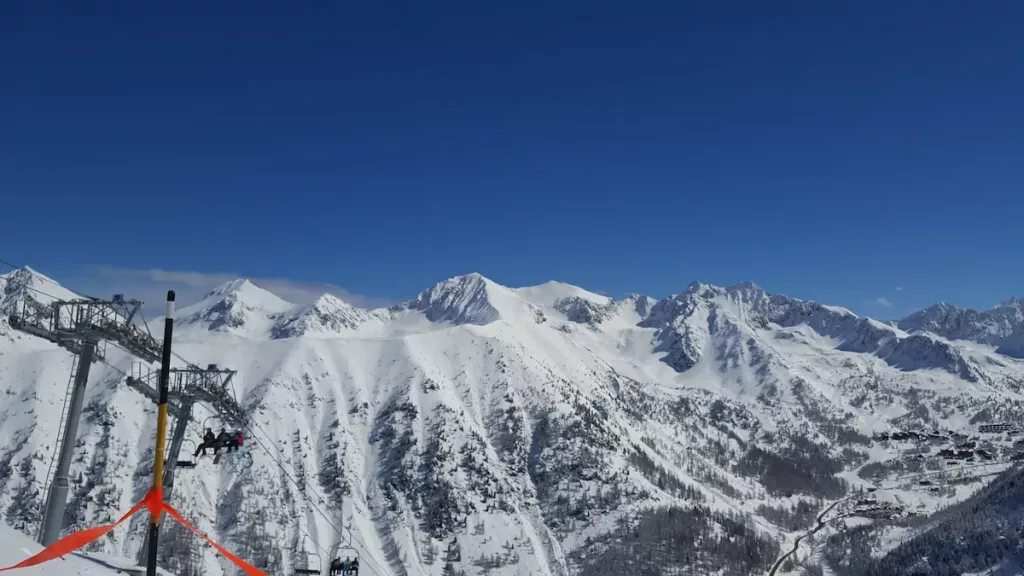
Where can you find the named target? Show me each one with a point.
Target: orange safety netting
(152, 502)
(73, 541)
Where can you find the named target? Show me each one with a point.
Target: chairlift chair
(218, 450)
(188, 463)
(347, 569)
(216, 422)
(305, 567)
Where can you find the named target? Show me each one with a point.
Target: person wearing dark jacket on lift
(346, 567)
(209, 441)
(223, 441)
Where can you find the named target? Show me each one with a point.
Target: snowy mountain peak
(27, 272)
(709, 319)
(459, 300)
(641, 304)
(1013, 302)
(244, 288)
(26, 277)
(1001, 326)
(550, 294)
(330, 301)
(238, 306)
(740, 290)
(697, 287)
(327, 315)
(745, 287)
(28, 284)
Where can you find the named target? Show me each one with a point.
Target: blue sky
(835, 151)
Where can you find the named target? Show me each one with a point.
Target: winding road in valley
(796, 544)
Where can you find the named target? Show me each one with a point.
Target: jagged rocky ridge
(686, 322)
(1002, 326)
(486, 429)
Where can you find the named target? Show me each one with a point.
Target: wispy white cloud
(883, 301)
(151, 285)
(899, 288)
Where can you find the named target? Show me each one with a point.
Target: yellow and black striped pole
(161, 433)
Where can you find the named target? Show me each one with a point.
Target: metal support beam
(161, 435)
(180, 428)
(56, 500)
(178, 437)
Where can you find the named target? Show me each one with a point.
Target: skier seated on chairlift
(234, 441)
(346, 567)
(224, 440)
(209, 441)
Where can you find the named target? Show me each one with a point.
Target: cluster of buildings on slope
(961, 447)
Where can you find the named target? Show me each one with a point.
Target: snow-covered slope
(517, 430)
(16, 547)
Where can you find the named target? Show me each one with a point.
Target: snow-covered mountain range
(483, 429)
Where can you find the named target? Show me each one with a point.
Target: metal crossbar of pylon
(79, 326)
(210, 385)
(69, 323)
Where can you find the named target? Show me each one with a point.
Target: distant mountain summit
(326, 315)
(468, 299)
(1001, 326)
(707, 319)
(27, 284)
(239, 307)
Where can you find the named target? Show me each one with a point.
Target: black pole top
(170, 295)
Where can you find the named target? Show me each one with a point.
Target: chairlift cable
(315, 507)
